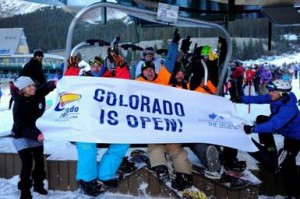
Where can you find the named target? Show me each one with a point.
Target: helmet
(147, 64)
(205, 50)
(279, 85)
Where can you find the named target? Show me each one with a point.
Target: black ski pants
(38, 174)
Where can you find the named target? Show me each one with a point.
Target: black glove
(236, 100)
(248, 129)
(285, 98)
(185, 44)
(176, 36)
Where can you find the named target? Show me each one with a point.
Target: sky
(66, 151)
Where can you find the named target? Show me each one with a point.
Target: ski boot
(233, 182)
(182, 181)
(236, 165)
(162, 173)
(92, 188)
(112, 183)
(213, 163)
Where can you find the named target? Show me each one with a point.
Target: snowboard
(140, 157)
(229, 179)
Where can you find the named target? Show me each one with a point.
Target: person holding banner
(210, 155)
(96, 178)
(27, 138)
(156, 152)
(284, 119)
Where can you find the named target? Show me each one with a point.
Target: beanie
(23, 81)
(148, 50)
(98, 60)
(38, 53)
(147, 64)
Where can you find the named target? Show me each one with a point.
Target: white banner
(109, 110)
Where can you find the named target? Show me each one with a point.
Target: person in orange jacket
(157, 152)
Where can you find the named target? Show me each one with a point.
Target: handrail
(150, 16)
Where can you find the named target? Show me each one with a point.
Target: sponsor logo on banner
(218, 121)
(70, 111)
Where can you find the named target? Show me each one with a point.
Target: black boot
(162, 173)
(182, 181)
(40, 189)
(24, 186)
(112, 183)
(25, 194)
(93, 187)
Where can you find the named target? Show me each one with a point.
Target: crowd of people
(257, 76)
(198, 72)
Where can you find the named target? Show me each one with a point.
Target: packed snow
(66, 151)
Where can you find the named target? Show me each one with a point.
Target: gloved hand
(248, 129)
(236, 100)
(176, 36)
(40, 137)
(285, 98)
(185, 44)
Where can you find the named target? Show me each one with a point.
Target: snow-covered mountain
(10, 8)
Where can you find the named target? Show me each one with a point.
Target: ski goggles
(271, 87)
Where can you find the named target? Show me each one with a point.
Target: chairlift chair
(152, 17)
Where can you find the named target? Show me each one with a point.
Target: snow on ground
(67, 151)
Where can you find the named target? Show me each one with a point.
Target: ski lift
(89, 42)
(152, 16)
(132, 47)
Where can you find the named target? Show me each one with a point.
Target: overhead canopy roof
(218, 10)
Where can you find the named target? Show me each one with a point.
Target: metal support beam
(270, 33)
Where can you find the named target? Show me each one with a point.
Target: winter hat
(38, 53)
(148, 50)
(147, 64)
(23, 81)
(98, 60)
(280, 86)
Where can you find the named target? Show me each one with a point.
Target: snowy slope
(10, 8)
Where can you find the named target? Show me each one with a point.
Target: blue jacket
(284, 118)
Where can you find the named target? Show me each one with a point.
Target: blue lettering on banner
(140, 103)
(143, 104)
(111, 117)
(219, 122)
(160, 124)
(69, 113)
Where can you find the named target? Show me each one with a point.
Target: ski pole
(249, 87)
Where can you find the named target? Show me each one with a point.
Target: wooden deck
(61, 176)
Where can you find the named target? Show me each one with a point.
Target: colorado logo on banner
(110, 110)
